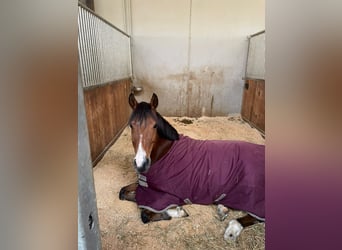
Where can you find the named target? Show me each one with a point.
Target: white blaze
(140, 157)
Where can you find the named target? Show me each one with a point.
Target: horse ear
(132, 101)
(154, 101)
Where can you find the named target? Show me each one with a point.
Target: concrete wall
(192, 54)
(116, 12)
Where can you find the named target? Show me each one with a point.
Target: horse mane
(164, 128)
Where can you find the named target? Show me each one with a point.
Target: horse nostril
(134, 162)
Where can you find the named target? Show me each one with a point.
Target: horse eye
(155, 125)
(131, 125)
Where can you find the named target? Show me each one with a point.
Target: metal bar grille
(104, 50)
(255, 63)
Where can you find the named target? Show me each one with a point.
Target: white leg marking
(177, 212)
(140, 157)
(233, 230)
(222, 212)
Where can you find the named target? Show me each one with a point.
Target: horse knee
(128, 192)
(145, 217)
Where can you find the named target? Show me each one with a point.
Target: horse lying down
(175, 170)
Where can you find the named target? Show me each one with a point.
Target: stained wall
(191, 53)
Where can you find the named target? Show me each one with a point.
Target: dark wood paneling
(88, 3)
(253, 103)
(258, 111)
(248, 99)
(107, 112)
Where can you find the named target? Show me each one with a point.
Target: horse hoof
(144, 217)
(177, 212)
(122, 194)
(233, 230)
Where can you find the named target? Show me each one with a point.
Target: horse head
(148, 130)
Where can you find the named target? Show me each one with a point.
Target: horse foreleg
(248, 220)
(235, 226)
(149, 216)
(128, 192)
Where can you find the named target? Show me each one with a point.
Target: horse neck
(162, 146)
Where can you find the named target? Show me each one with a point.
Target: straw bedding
(120, 223)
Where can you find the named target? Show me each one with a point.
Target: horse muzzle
(142, 166)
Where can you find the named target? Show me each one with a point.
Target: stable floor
(120, 223)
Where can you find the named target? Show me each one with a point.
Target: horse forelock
(164, 128)
(142, 112)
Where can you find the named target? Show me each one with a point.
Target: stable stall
(207, 69)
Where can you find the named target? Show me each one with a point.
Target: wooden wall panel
(107, 113)
(248, 99)
(253, 103)
(258, 112)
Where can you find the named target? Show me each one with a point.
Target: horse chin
(143, 170)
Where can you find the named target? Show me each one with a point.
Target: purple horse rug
(205, 172)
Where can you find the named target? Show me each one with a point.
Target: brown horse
(174, 170)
